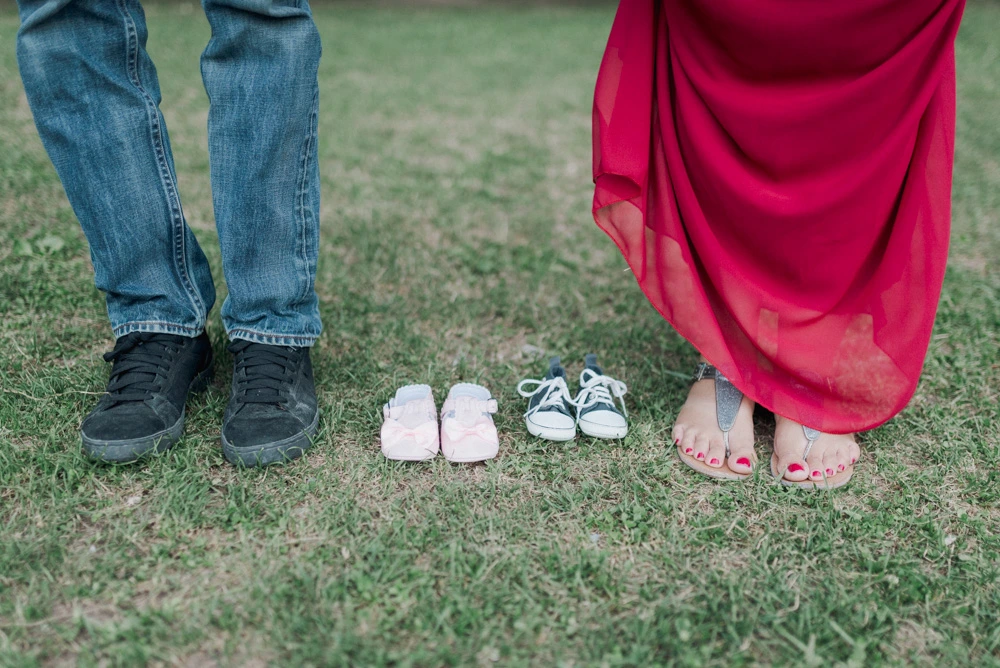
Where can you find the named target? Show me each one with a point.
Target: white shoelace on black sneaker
(596, 389)
(554, 393)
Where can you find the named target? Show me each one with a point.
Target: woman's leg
(784, 203)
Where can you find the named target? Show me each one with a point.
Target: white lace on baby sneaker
(596, 412)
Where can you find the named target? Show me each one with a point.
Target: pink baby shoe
(410, 430)
(467, 430)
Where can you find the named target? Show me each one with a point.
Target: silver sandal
(728, 400)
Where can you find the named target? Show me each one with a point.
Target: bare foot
(830, 455)
(697, 433)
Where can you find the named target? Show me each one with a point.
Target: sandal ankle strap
(704, 370)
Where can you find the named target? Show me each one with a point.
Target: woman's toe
(797, 471)
(716, 454)
(687, 442)
(741, 460)
(833, 461)
(815, 466)
(854, 450)
(793, 469)
(701, 447)
(678, 434)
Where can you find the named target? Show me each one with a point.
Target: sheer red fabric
(777, 173)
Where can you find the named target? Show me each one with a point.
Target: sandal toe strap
(727, 399)
(812, 435)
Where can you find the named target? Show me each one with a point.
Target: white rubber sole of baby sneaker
(550, 433)
(603, 431)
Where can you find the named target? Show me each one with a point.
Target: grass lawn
(457, 241)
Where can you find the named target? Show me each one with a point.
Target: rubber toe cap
(552, 420)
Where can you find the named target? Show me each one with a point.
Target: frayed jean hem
(274, 339)
(156, 327)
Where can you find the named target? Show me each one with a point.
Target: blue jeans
(95, 98)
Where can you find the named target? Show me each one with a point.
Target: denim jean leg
(260, 72)
(94, 95)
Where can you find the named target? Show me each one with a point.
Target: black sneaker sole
(132, 449)
(278, 452)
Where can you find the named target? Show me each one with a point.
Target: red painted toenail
(714, 461)
(817, 474)
(829, 471)
(700, 455)
(854, 459)
(677, 441)
(795, 468)
(743, 461)
(689, 451)
(841, 467)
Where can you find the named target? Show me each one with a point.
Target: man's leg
(94, 95)
(260, 72)
(95, 98)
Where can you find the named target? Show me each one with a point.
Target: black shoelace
(263, 373)
(139, 364)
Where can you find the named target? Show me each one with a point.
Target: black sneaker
(143, 409)
(272, 414)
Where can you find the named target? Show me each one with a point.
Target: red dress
(777, 173)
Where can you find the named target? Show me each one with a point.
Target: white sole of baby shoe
(470, 458)
(409, 456)
(549, 433)
(602, 431)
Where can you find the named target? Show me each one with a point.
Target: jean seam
(166, 180)
(301, 213)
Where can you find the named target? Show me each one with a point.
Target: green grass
(456, 233)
